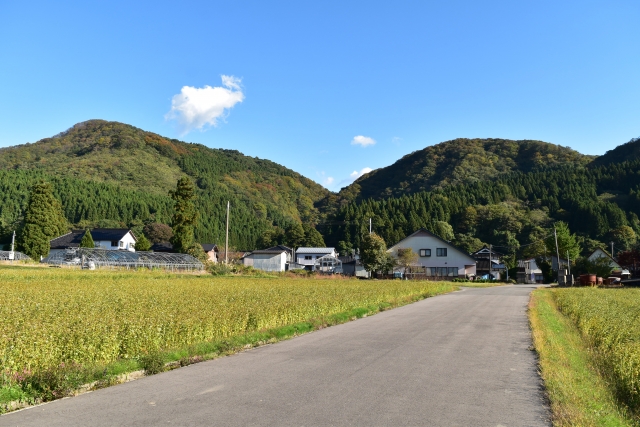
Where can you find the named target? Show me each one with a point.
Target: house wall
(465, 264)
(599, 253)
(128, 243)
(266, 262)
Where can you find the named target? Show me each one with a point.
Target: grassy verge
(577, 393)
(70, 379)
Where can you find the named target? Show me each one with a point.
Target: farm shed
(267, 259)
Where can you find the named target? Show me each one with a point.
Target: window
(442, 271)
(452, 271)
(308, 257)
(121, 244)
(425, 252)
(441, 252)
(114, 243)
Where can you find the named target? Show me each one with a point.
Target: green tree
(42, 222)
(567, 242)
(624, 237)
(157, 232)
(185, 217)
(87, 240)
(406, 258)
(143, 244)
(294, 235)
(373, 253)
(312, 237)
(443, 230)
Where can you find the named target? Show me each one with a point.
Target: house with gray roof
(114, 239)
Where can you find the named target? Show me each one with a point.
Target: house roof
(279, 247)
(208, 247)
(605, 254)
(486, 250)
(73, 238)
(268, 251)
(315, 250)
(427, 233)
(69, 240)
(162, 247)
(110, 234)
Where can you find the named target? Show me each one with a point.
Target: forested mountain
(108, 171)
(470, 191)
(598, 203)
(461, 161)
(622, 153)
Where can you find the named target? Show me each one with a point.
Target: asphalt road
(460, 359)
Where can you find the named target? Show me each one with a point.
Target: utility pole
(226, 242)
(569, 266)
(369, 225)
(611, 249)
(12, 254)
(555, 236)
(490, 256)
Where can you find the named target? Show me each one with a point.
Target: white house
(599, 253)
(113, 239)
(529, 272)
(272, 259)
(308, 256)
(436, 257)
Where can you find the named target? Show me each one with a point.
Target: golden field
(609, 320)
(54, 316)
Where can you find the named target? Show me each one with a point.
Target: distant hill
(623, 153)
(261, 192)
(461, 161)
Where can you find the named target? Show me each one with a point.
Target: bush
(56, 382)
(152, 363)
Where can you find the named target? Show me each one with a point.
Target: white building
(529, 272)
(272, 259)
(113, 239)
(436, 257)
(599, 253)
(308, 256)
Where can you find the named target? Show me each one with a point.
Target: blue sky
(296, 82)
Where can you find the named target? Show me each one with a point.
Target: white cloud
(196, 108)
(362, 140)
(355, 174)
(328, 180)
(396, 140)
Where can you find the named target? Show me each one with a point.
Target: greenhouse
(91, 259)
(18, 256)
(328, 264)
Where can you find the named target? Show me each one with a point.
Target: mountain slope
(262, 193)
(623, 153)
(462, 161)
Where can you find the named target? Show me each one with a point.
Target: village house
(436, 257)
(529, 272)
(307, 257)
(112, 239)
(488, 262)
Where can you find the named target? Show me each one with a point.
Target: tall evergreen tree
(312, 237)
(185, 217)
(294, 236)
(42, 222)
(87, 240)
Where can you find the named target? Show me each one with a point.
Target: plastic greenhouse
(91, 258)
(328, 264)
(18, 256)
